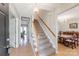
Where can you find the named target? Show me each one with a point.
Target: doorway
(3, 42)
(24, 30)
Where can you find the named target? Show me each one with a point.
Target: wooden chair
(75, 37)
(70, 42)
(61, 40)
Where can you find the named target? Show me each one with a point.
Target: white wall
(50, 19)
(13, 26)
(64, 26)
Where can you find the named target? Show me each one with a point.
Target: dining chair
(70, 42)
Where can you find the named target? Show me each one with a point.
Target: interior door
(3, 49)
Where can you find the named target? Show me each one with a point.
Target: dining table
(64, 37)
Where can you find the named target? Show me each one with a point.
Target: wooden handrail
(47, 27)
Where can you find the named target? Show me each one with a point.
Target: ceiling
(70, 13)
(4, 7)
(62, 7)
(27, 9)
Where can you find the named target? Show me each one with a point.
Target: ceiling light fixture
(36, 10)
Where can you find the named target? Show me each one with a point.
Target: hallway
(22, 51)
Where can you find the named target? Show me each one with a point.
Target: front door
(3, 49)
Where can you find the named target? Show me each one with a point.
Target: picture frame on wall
(73, 25)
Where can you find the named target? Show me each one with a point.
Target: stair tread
(44, 46)
(47, 52)
(44, 37)
(43, 41)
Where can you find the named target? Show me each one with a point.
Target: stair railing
(49, 33)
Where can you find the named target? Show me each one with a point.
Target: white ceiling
(71, 13)
(26, 9)
(64, 6)
(4, 7)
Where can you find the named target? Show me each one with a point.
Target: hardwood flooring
(66, 51)
(22, 51)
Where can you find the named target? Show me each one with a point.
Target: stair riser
(43, 48)
(47, 52)
(42, 43)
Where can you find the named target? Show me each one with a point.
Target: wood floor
(66, 51)
(22, 51)
(27, 51)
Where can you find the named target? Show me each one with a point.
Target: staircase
(44, 46)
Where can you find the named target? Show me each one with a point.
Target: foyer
(39, 29)
(39, 42)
